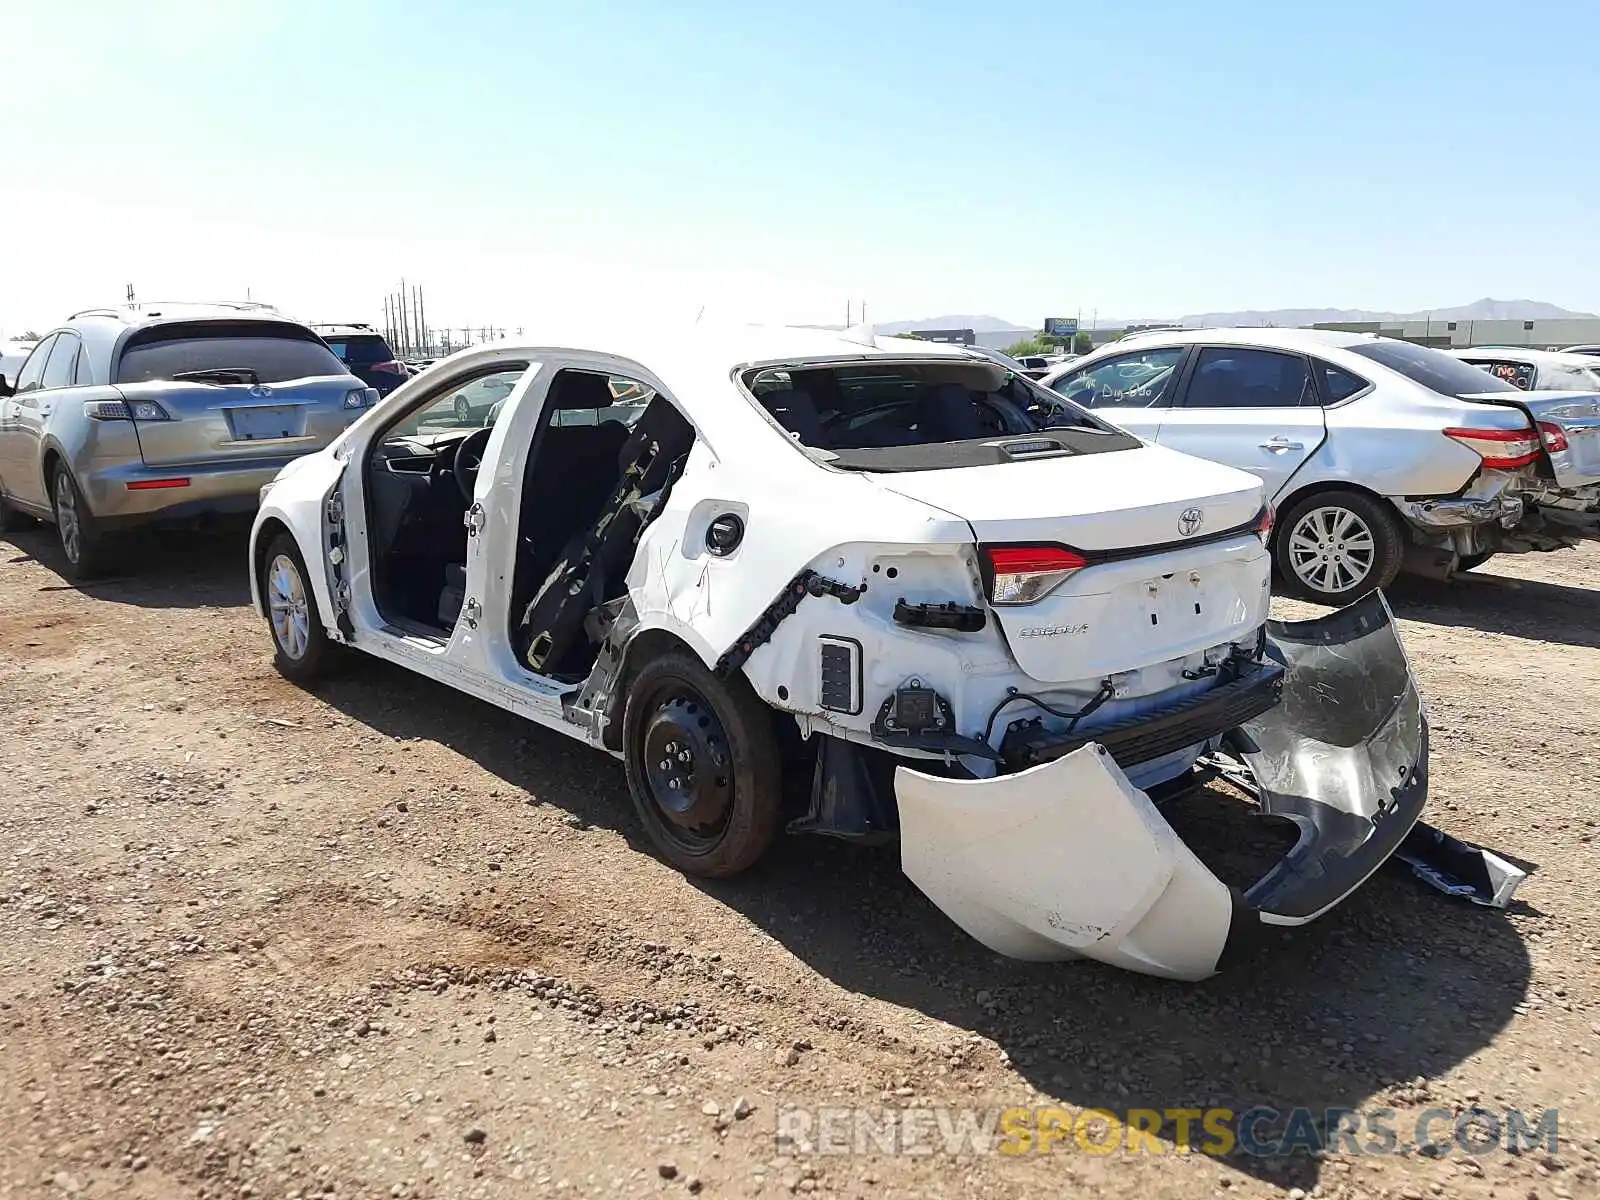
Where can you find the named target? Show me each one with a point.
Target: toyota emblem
(1189, 521)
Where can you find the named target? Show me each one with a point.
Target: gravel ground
(384, 940)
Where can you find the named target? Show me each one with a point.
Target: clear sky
(771, 161)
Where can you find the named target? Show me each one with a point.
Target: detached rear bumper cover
(1069, 859)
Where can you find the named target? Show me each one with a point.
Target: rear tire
(1336, 546)
(702, 764)
(302, 650)
(463, 411)
(83, 543)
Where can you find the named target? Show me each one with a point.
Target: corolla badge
(1189, 521)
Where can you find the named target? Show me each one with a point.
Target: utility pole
(405, 321)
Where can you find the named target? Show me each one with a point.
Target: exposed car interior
(419, 482)
(603, 456)
(598, 474)
(853, 412)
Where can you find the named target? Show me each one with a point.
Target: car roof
(726, 347)
(1523, 354)
(155, 312)
(1268, 336)
(697, 364)
(105, 328)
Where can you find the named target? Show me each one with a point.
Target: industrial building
(1544, 335)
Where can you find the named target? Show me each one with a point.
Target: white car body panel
(1068, 858)
(1117, 885)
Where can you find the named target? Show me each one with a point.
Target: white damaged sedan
(872, 589)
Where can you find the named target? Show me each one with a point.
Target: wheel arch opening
(641, 648)
(265, 534)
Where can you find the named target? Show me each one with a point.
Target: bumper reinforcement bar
(1150, 735)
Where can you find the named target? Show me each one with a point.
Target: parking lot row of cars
(868, 587)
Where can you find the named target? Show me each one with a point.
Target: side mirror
(5, 388)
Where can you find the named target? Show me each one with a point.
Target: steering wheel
(469, 457)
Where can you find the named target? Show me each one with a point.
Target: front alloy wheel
(302, 650)
(463, 411)
(287, 608)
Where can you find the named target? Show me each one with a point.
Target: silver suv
(163, 412)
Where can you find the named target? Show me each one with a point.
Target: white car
(1535, 370)
(863, 589)
(1378, 455)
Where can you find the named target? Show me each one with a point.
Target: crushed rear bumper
(1068, 859)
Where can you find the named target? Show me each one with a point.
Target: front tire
(302, 650)
(1336, 546)
(463, 411)
(83, 543)
(702, 764)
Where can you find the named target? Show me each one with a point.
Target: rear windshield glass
(923, 415)
(1439, 372)
(360, 350)
(270, 353)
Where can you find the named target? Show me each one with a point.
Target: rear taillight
(1023, 574)
(391, 368)
(1555, 438)
(118, 410)
(1500, 449)
(361, 397)
(1263, 525)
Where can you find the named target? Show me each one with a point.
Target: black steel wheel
(702, 765)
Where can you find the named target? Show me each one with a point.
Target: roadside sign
(1061, 326)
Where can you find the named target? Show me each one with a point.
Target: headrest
(579, 389)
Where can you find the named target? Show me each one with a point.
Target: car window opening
(599, 472)
(605, 448)
(921, 415)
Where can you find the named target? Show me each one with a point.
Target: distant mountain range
(959, 321)
(1479, 310)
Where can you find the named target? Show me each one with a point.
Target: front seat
(573, 471)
